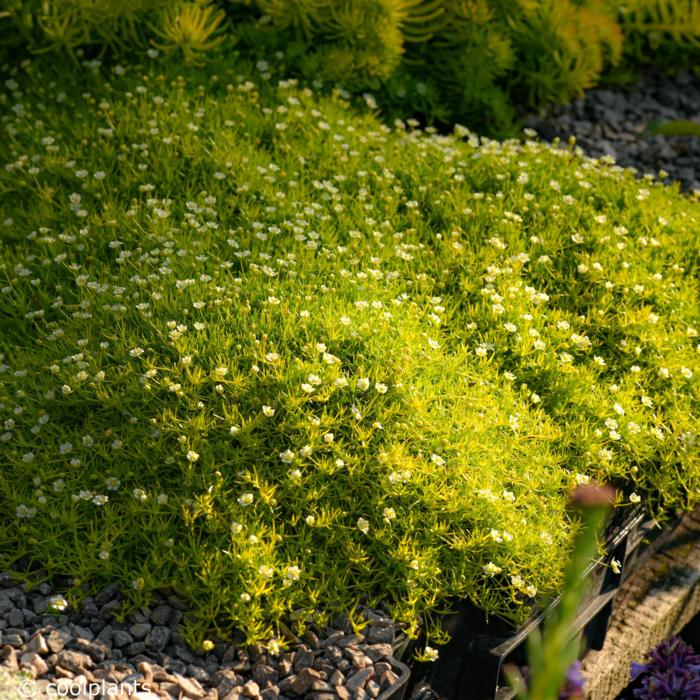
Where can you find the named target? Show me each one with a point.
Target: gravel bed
(88, 654)
(612, 123)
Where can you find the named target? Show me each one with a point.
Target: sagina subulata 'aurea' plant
(270, 352)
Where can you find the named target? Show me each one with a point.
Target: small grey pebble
(139, 630)
(157, 638)
(120, 638)
(135, 648)
(15, 618)
(198, 673)
(161, 615)
(80, 631)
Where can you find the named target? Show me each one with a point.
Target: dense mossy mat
(258, 347)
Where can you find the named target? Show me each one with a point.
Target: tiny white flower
(246, 499)
(292, 573)
(268, 411)
(363, 525)
(192, 456)
(287, 456)
(23, 511)
(491, 569)
(363, 383)
(57, 604)
(431, 654)
(266, 571)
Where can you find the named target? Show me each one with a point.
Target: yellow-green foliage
(451, 60)
(191, 28)
(667, 26)
(280, 357)
(356, 42)
(477, 53)
(70, 24)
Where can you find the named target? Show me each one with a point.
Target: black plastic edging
(470, 666)
(398, 690)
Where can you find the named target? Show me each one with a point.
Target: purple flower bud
(672, 672)
(573, 686)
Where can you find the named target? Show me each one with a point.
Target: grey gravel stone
(359, 678)
(135, 648)
(157, 638)
(96, 650)
(106, 595)
(263, 674)
(304, 680)
(120, 638)
(89, 644)
(161, 615)
(13, 640)
(198, 673)
(614, 123)
(139, 630)
(303, 659)
(109, 609)
(15, 618)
